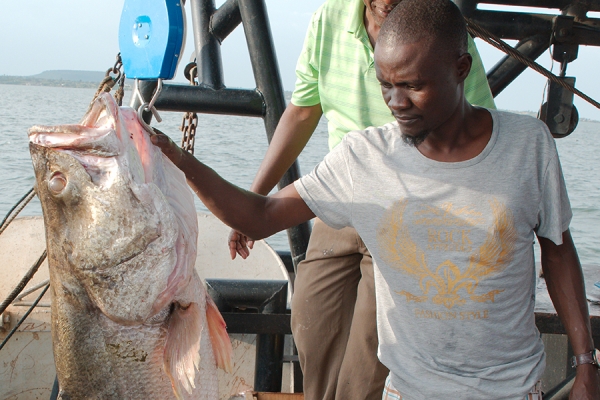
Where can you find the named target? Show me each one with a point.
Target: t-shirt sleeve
(306, 91)
(328, 189)
(477, 88)
(555, 213)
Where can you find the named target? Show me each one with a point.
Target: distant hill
(70, 78)
(63, 78)
(71, 75)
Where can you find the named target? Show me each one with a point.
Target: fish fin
(219, 338)
(182, 348)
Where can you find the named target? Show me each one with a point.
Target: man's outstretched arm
(293, 131)
(255, 215)
(564, 279)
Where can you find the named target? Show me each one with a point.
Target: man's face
(420, 84)
(379, 9)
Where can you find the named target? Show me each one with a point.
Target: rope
(105, 86)
(22, 202)
(13, 295)
(12, 332)
(498, 43)
(120, 92)
(109, 82)
(31, 290)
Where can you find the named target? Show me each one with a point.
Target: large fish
(130, 317)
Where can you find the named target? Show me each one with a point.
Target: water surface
(235, 146)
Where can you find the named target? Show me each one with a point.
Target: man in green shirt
(333, 306)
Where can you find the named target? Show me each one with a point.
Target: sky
(40, 35)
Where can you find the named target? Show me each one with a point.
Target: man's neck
(461, 138)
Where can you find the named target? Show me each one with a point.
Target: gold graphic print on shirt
(453, 285)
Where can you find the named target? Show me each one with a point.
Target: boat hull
(26, 362)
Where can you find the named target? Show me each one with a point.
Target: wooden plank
(275, 396)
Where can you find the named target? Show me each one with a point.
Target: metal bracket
(564, 51)
(558, 112)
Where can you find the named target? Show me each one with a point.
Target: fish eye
(57, 183)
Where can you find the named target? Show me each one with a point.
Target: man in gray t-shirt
(452, 244)
(448, 200)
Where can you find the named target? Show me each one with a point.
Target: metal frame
(211, 27)
(259, 307)
(535, 32)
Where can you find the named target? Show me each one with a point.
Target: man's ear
(463, 66)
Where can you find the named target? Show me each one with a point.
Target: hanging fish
(130, 316)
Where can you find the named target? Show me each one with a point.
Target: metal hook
(116, 69)
(141, 119)
(159, 86)
(149, 106)
(136, 93)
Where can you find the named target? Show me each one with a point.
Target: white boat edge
(26, 362)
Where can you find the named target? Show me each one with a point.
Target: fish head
(109, 232)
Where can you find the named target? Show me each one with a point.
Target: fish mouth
(96, 134)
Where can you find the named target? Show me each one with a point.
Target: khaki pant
(334, 320)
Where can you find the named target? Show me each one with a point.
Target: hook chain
(189, 122)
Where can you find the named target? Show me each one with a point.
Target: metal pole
(466, 6)
(269, 349)
(225, 20)
(508, 69)
(184, 98)
(54, 392)
(268, 82)
(208, 50)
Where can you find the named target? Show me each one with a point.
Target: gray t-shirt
(453, 251)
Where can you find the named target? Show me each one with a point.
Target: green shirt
(337, 70)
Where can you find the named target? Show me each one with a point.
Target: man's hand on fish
(238, 242)
(255, 215)
(167, 146)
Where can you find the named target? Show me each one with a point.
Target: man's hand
(168, 147)
(240, 244)
(245, 211)
(587, 383)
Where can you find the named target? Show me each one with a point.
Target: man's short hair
(414, 20)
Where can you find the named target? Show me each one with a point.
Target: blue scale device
(151, 38)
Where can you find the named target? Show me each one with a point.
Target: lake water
(235, 146)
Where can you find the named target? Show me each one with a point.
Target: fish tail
(182, 348)
(219, 338)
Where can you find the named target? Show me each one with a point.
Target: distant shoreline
(57, 78)
(66, 79)
(71, 79)
(26, 81)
